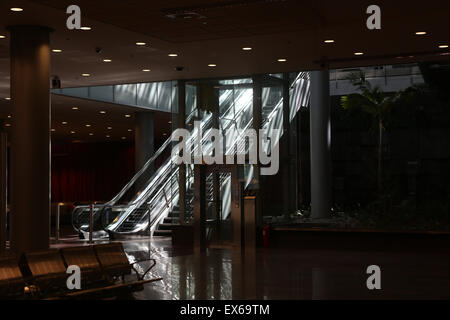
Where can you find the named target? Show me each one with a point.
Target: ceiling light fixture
(146, 70)
(109, 128)
(128, 116)
(74, 108)
(123, 138)
(108, 136)
(7, 125)
(282, 60)
(85, 74)
(2, 36)
(64, 122)
(91, 134)
(52, 130)
(72, 132)
(129, 130)
(173, 55)
(139, 43)
(56, 50)
(443, 46)
(247, 48)
(359, 53)
(329, 41)
(212, 65)
(88, 125)
(86, 28)
(7, 98)
(421, 33)
(103, 112)
(16, 9)
(107, 60)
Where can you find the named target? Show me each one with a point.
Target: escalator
(150, 205)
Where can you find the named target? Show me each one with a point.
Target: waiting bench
(11, 282)
(103, 270)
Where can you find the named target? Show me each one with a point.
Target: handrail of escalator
(144, 167)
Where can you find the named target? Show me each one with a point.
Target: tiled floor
(289, 274)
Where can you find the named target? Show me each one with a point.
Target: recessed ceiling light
(329, 41)
(212, 65)
(16, 9)
(443, 46)
(173, 55)
(86, 74)
(109, 128)
(129, 130)
(56, 50)
(88, 125)
(108, 136)
(74, 108)
(140, 43)
(2, 36)
(7, 98)
(91, 134)
(52, 130)
(421, 33)
(103, 112)
(86, 28)
(282, 60)
(359, 53)
(107, 60)
(164, 134)
(64, 122)
(128, 116)
(123, 138)
(72, 132)
(247, 48)
(10, 116)
(146, 70)
(7, 125)
(170, 122)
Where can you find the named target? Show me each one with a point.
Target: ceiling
(206, 32)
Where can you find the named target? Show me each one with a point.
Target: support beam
(285, 156)
(144, 138)
(30, 139)
(257, 115)
(181, 124)
(199, 208)
(320, 133)
(3, 190)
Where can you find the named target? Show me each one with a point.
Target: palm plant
(376, 103)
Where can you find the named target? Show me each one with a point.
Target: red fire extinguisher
(266, 236)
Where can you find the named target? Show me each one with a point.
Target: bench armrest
(145, 273)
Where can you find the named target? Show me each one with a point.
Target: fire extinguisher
(266, 236)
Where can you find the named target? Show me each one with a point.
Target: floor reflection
(281, 274)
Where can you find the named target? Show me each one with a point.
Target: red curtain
(90, 171)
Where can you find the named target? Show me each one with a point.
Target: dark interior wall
(90, 171)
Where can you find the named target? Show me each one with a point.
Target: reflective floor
(289, 274)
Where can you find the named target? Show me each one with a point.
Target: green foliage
(371, 100)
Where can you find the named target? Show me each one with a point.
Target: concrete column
(257, 181)
(30, 140)
(286, 159)
(144, 138)
(181, 124)
(3, 189)
(320, 132)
